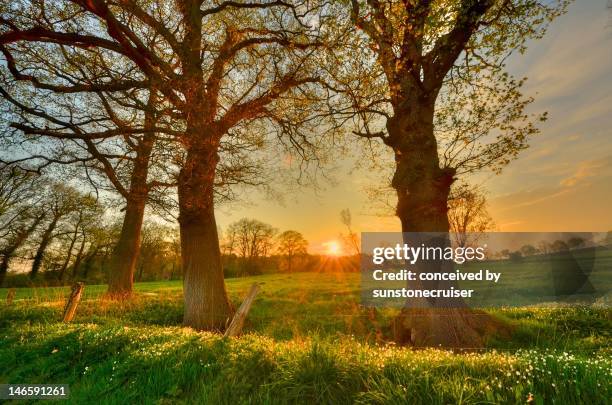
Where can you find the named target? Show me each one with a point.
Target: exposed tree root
(454, 328)
(118, 296)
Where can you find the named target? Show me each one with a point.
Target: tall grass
(308, 341)
(112, 364)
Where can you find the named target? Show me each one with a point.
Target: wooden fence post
(73, 301)
(235, 326)
(10, 296)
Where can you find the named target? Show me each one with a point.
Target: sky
(563, 182)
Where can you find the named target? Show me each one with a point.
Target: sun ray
(333, 248)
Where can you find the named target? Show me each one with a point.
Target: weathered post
(235, 326)
(10, 296)
(73, 301)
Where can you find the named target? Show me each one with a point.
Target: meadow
(544, 279)
(306, 339)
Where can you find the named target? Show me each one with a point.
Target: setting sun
(333, 248)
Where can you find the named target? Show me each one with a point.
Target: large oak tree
(221, 66)
(427, 79)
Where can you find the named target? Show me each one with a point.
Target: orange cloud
(588, 169)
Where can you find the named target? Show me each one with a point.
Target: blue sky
(563, 182)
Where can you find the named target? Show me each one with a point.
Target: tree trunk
(42, 247)
(78, 258)
(4, 267)
(91, 256)
(423, 189)
(140, 270)
(125, 253)
(207, 306)
(9, 251)
(69, 254)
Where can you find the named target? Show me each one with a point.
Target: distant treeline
(162, 266)
(54, 234)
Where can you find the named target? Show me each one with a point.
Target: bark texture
(207, 306)
(423, 188)
(125, 253)
(127, 249)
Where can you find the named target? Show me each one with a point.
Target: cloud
(578, 201)
(526, 198)
(563, 63)
(507, 225)
(580, 177)
(587, 170)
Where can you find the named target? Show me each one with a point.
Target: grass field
(528, 281)
(307, 340)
